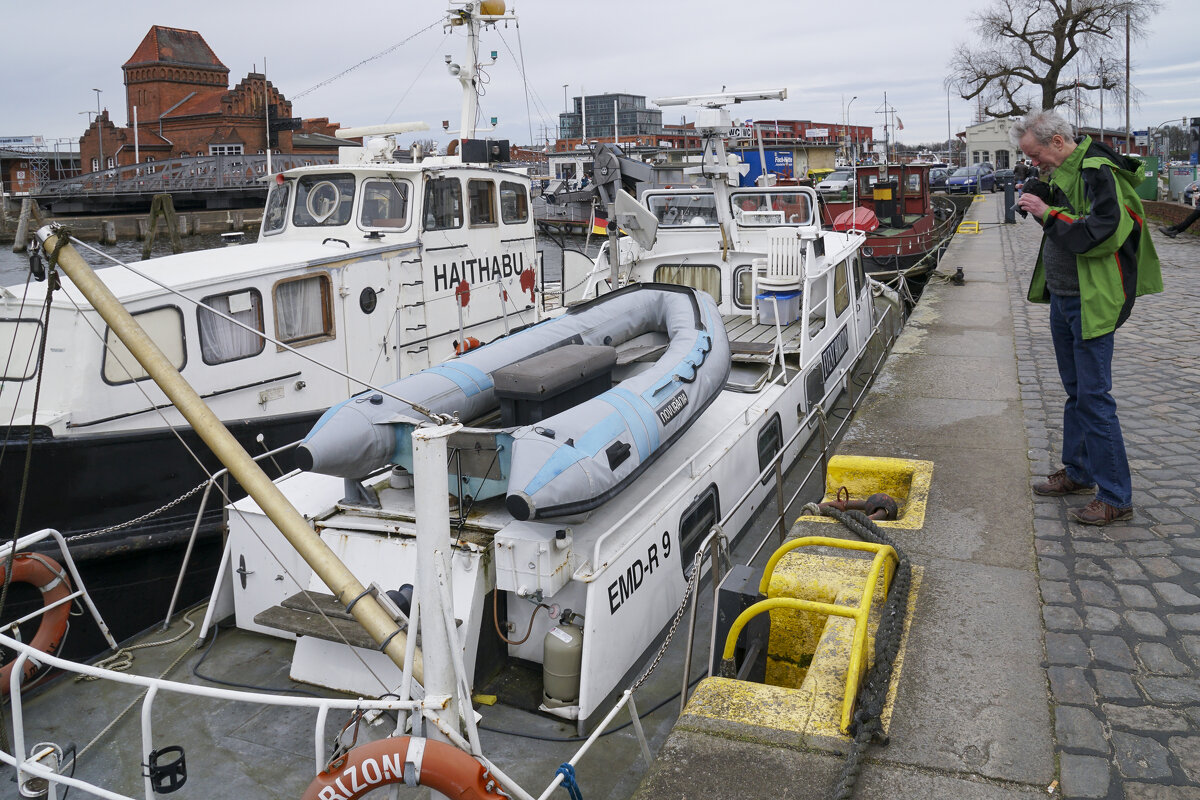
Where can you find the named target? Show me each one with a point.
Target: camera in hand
(1037, 188)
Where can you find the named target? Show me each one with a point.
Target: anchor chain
(77, 537)
(867, 726)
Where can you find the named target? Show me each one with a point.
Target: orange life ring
(51, 580)
(439, 766)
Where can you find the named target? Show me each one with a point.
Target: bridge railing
(190, 173)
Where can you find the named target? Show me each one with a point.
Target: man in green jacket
(1096, 257)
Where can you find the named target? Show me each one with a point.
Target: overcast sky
(825, 53)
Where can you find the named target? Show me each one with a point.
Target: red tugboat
(893, 205)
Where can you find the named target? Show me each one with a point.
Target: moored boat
(446, 553)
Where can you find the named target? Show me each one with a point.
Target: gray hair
(1044, 125)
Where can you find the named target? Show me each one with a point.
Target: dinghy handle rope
(867, 725)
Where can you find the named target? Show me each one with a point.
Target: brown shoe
(1058, 484)
(1099, 512)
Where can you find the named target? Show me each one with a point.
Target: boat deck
(749, 342)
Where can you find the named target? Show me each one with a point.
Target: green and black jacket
(1096, 214)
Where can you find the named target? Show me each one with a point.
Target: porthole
(367, 300)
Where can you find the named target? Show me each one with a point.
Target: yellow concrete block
(906, 480)
(808, 655)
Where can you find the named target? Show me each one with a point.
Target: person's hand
(1033, 204)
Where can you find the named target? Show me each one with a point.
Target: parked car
(838, 181)
(1189, 193)
(972, 179)
(819, 174)
(937, 178)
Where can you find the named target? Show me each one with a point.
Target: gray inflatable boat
(567, 439)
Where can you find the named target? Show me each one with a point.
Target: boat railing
(220, 475)
(31, 766)
(9, 551)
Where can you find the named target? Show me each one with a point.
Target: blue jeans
(1093, 448)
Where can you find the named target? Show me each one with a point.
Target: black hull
(84, 484)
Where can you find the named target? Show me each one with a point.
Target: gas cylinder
(561, 663)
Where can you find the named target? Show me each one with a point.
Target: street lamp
(846, 124)
(99, 129)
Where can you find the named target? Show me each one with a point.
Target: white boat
(364, 271)
(473, 576)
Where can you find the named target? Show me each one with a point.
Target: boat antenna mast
(714, 124)
(473, 15)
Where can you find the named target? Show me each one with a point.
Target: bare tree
(1020, 60)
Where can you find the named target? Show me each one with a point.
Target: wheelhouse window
(696, 523)
(385, 204)
(443, 204)
(303, 310)
(841, 288)
(770, 440)
(514, 203)
(912, 184)
(680, 210)
(275, 213)
(703, 277)
(481, 199)
(21, 336)
(222, 340)
(323, 201)
(164, 326)
(769, 208)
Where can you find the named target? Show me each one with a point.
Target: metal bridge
(217, 181)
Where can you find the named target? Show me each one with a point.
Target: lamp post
(846, 124)
(99, 130)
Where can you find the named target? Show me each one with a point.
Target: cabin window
(303, 310)
(443, 204)
(743, 281)
(21, 337)
(164, 326)
(860, 279)
(701, 277)
(696, 524)
(323, 200)
(912, 184)
(514, 203)
(770, 440)
(385, 204)
(275, 213)
(222, 340)
(679, 210)
(841, 288)
(770, 208)
(481, 197)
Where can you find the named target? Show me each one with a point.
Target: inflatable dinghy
(568, 439)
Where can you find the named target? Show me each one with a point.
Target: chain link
(148, 515)
(679, 612)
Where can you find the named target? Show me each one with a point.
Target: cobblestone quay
(1121, 604)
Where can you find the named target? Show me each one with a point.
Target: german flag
(599, 221)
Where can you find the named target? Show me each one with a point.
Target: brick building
(179, 91)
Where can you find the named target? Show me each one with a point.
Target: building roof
(318, 140)
(164, 45)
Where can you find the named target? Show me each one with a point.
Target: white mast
(474, 15)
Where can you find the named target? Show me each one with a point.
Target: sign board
(1141, 138)
(817, 133)
(22, 141)
(741, 132)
